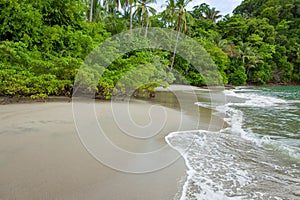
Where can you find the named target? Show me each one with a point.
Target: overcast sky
(225, 6)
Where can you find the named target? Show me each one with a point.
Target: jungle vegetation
(43, 43)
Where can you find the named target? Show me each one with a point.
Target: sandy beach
(42, 157)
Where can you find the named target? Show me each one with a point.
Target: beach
(206, 150)
(42, 156)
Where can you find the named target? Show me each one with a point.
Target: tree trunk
(91, 11)
(146, 32)
(177, 38)
(131, 16)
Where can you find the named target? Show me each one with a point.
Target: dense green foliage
(43, 43)
(273, 32)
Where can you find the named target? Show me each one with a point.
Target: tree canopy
(43, 43)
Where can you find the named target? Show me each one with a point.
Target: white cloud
(225, 6)
(198, 2)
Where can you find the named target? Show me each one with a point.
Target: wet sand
(42, 157)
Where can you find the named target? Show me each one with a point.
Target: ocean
(257, 153)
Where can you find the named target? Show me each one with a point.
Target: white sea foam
(214, 170)
(214, 160)
(255, 100)
(235, 119)
(208, 105)
(293, 101)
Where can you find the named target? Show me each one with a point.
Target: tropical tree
(169, 14)
(183, 19)
(143, 12)
(129, 5)
(91, 10)
(199, 10)
(203, 11)
(212, 14)
(112, 5)
(249, 57)
(96, 11)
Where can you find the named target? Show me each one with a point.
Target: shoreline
(4, 100)
(49, 156)
(59, 154)
(43, 157)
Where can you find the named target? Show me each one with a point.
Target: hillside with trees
(43, 43)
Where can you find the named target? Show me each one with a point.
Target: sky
(225, 6)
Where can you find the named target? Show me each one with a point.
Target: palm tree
(91, 10)
(143, 12)
(96, 11)
(203, 11)
(198, 11)
(184, 17)
(216, 38)
(250, 57)
(128, 5)
(213, 14)
(169, 14)
(112, 5)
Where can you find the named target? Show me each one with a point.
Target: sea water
(256, 156)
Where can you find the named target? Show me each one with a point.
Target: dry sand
(42, 157)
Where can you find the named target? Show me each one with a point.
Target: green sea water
(274, 114)
(257, 156)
